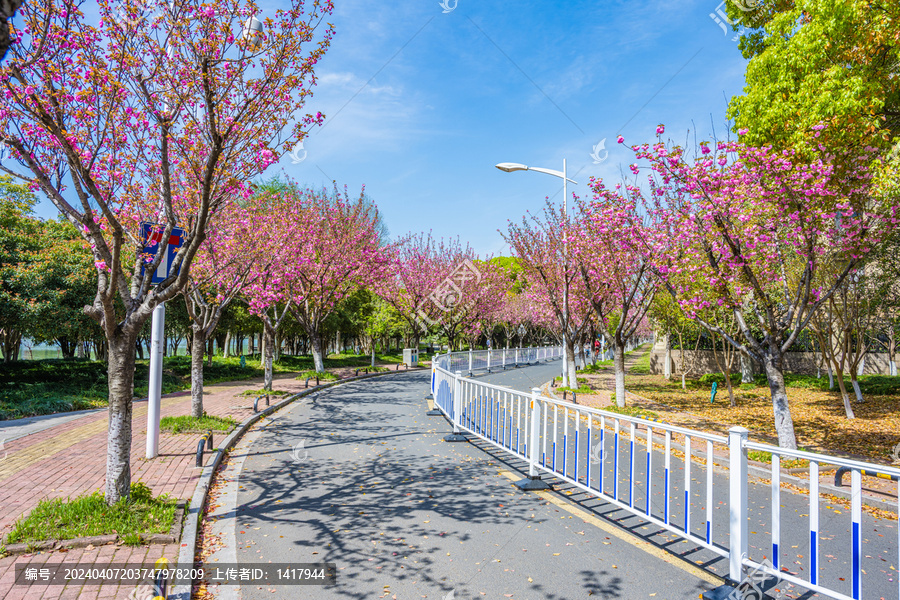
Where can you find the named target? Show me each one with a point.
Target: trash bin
(411, 357)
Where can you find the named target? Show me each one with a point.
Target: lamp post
(251, 32)
(509, 168)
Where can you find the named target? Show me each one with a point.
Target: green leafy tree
(19, 241)
(59, 280)
(819, 62)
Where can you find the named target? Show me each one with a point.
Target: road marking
(625, 536)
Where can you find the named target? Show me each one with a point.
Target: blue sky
(421, 104)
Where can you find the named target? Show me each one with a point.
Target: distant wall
(794, 362)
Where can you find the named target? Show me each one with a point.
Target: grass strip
(189, 424)
(321, 375)
(90, 515)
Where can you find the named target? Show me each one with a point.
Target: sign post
(153, 241)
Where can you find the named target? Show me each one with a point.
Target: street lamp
(252, 33)
(509, 168)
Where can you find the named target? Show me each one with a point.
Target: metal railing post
(517, 357)
(533, 481)
(504, 359)
(737, 502)
(470, 361)
(489, 360)
(456, 400)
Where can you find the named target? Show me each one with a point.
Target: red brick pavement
(70, 459)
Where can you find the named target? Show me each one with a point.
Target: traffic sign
(152, 236)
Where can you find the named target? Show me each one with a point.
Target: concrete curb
(198, 500)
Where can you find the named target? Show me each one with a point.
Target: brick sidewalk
(70, 459)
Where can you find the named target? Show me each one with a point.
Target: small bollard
(574, 397)
(367, 370)
(161, 585)
(564, 395)
(160, 579)
(209, 440)
(256, 402)
(200, 446)
(356, 374)
(317, 380)
(307, 381)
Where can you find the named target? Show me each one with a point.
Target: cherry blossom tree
(771, 237)
(546, 258)
(514, 312)
(413, 275)
(224, 265)
(615, 270)
(336, 248)
(158, 114)
(468, 290)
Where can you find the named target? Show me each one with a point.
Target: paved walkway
(363, 479)
(63, 456)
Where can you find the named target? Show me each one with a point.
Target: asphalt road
(373, 488)
(363, 479)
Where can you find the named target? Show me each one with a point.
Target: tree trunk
(746, 369)
(9, 344)
(855, 383)
(619, 363)
(210, 350)
(784, 424)
(120, 373)
(316, 342)
(199, 342)
(226, 350)
(848, 409)
(892, 352)
(277, 346)
(730, 387)
(725, 365)
(667, 367)
(570, 367)
(139, 348)
(268, 344)
(67, 347)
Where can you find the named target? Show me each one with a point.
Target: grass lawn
(90, 515)
(818, 412)
(189, 424)
(42, 387)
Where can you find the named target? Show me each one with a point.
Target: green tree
(59, 280)
(19, 242)
(819, 62)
